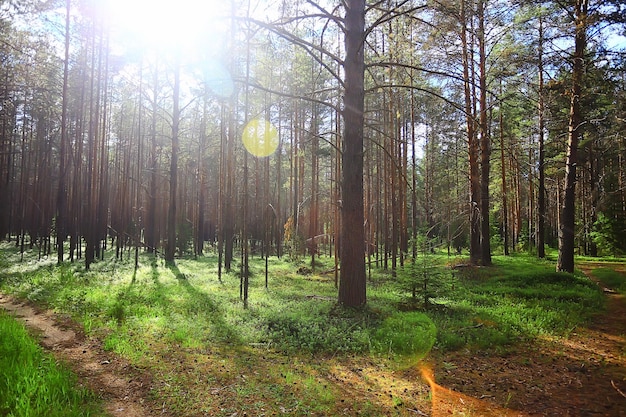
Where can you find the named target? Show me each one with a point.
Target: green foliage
(608, 235)
(184, 237)
(319, 328)
(163, 311)
(423, 280)
(407, 334)
(425, 277)
(32, 383)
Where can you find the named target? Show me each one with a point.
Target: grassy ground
(611, 278)
(285, 352)
(32, 383)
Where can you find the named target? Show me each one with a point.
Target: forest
(286, 129)
(346, 148)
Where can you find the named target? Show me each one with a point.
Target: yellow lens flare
(260, 138)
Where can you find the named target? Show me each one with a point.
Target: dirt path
(583, 375)
(122, 388)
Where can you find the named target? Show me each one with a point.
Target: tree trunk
(171, 215)
(505, 190)
(314, 211)
(472, 144)
(485, 142)
(352, 285)
(201, 182)
(593, 197)
(62, 190)
(565, 261)
(541, 192)
(151, 228)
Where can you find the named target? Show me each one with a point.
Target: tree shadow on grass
(201, 303)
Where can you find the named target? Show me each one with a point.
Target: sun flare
(167, 24)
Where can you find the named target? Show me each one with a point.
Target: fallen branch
(617, 389)
(320, 297)
(477, 326)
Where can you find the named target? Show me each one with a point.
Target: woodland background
(478, 118)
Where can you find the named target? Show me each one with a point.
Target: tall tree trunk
(314, 211)
(150, 229)
(201, 182)
(505, 190)
(414, 222)
(228, 231)
(531, 197)
(221, 209)
(171, 215)
(565, 260)
(103, 177)
(77, 195)
(352, 285)
(138, 184)
(337, 197)
(61, 218)
(541, 192)
(593, 197)
(92, 186)
(103, 196)
(245, 241)
(472, 143)
(485, 142)
(278, 219)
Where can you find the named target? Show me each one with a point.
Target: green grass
(406, 334)
(170, 318)
(32, 383)
(517, 299)
(612, 279)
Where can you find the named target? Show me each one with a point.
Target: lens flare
(446, 402)
(260, 138)
(218, 79)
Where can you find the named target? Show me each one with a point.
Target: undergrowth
(160, 316)
(518, 298)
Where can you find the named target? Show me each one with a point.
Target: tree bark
(541, 192)
(565, 260)
(151, 227)
(472, 144)
(62, 190)
(485, 142)
(171, 215)
(505, 190)
(352, 285)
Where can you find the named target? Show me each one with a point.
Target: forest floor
(582, 375)
(122, 388)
